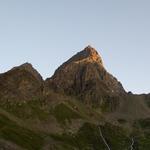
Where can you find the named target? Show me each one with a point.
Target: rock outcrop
(21, 83)
(85, 77)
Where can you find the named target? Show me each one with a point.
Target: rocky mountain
(85, 77)
(20, 83)
(81, 107)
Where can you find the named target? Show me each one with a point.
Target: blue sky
(48, 32)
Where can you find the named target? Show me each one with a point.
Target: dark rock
(21, 83)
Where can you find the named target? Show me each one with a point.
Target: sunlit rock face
(85, 77)
(89, 54)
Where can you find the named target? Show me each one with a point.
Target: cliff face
(85, 77)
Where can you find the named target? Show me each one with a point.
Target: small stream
(132, 144)
(105, 142)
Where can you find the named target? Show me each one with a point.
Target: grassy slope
(23, 137)
(87, 137)
(142, 133)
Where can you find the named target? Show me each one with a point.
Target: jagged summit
(88, 54)
(21, 83)
(84, 76)
(26, 65)
(29, 68)
(91, 53)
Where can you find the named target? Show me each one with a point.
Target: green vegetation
(142, 133)
(144, 142)
(27, 109)
(88, 138)
(64, 113)
(144, 123)
(148, 101)
(116, 136)
(25, 138)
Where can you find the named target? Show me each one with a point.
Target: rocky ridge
(81, 106)
(21, 83)
(85, 77)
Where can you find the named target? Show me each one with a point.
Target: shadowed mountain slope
(20, 83)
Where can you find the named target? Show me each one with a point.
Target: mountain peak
(88, 54)
(29, 68)
(84, 76)
(26, 65)
(90, 49)
(91, 53)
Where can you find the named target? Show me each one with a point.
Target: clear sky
(48, 32)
